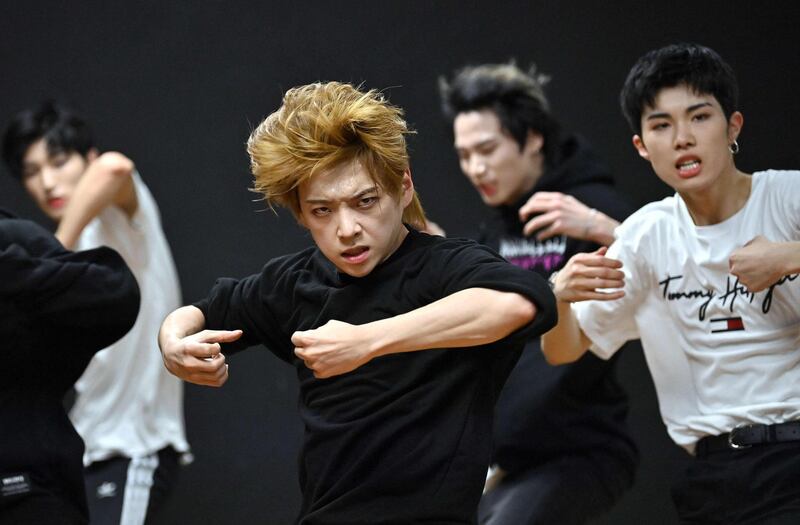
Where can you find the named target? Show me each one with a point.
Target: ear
(299, 214)
(638, 143)
(407, 189)
(533, 143)
(735, 124)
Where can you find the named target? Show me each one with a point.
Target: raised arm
(192, 353)
(470, 317)
(108, 181)
(761, 263)
(89, 297)
(581, 279)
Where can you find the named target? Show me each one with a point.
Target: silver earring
(734, 148)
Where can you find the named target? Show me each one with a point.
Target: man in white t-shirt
(128, 409)
(708, 279)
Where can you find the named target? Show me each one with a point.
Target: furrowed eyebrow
(360, 194)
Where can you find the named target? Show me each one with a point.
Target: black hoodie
(545, 412)
(57, 309)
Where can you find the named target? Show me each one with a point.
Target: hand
(562, 214)
(586, 273)
(332, 349)
(758, 264)
(196, 358)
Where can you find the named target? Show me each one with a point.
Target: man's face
(354, 222)
(50, 179)
(491, 159)
(685, 136)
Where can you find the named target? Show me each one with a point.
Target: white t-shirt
(127, 402)
(719, 355)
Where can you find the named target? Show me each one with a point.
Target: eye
(320, 211)
(700, 117)
(659, 126)
(487, 149)
(59, 160)
(366, 202)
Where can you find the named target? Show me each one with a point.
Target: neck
(719, 202)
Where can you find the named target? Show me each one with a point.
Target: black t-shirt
(57, 309)
(406, 437)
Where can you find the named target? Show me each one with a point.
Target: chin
(357, 271)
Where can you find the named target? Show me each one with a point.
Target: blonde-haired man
(397, 421)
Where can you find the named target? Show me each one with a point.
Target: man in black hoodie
(562, 452)
(57, 309)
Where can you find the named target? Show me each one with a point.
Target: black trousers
(121, 489)
(759, 485)
(568, 490)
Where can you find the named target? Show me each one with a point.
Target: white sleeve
(609, 324)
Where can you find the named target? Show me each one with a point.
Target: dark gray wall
(178, 86)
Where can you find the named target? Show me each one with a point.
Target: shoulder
(652, 224)
(777, 181)
(650, 215)
(283, 271)
(452, 248)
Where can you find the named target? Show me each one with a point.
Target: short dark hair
(697, 67)
(62, 129)
(516, 97)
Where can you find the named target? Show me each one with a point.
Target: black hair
(516, 97)
(62, 129)
(697, 67)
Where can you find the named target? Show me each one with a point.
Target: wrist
(552, 281)
(791, 261)
(68, 241)
(601, 229)
(378, 337)
(589, 224)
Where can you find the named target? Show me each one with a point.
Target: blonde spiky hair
(322, 125)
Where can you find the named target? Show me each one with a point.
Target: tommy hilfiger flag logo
(726, 324)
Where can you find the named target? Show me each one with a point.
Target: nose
(683, 136)
(349, 226)
(49, 177)
(475, 167)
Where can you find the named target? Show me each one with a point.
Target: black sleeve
(90, 297)
(470, 265)
(243, 305)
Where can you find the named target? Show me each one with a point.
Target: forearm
(184, 321)
(106, 182)
(566, 342)
(471, 317)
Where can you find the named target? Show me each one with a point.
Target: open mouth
(356, 255)
(487, 189)
(688, 168)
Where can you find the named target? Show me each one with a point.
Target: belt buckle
(734, 445)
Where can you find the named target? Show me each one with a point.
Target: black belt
(745, 436)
